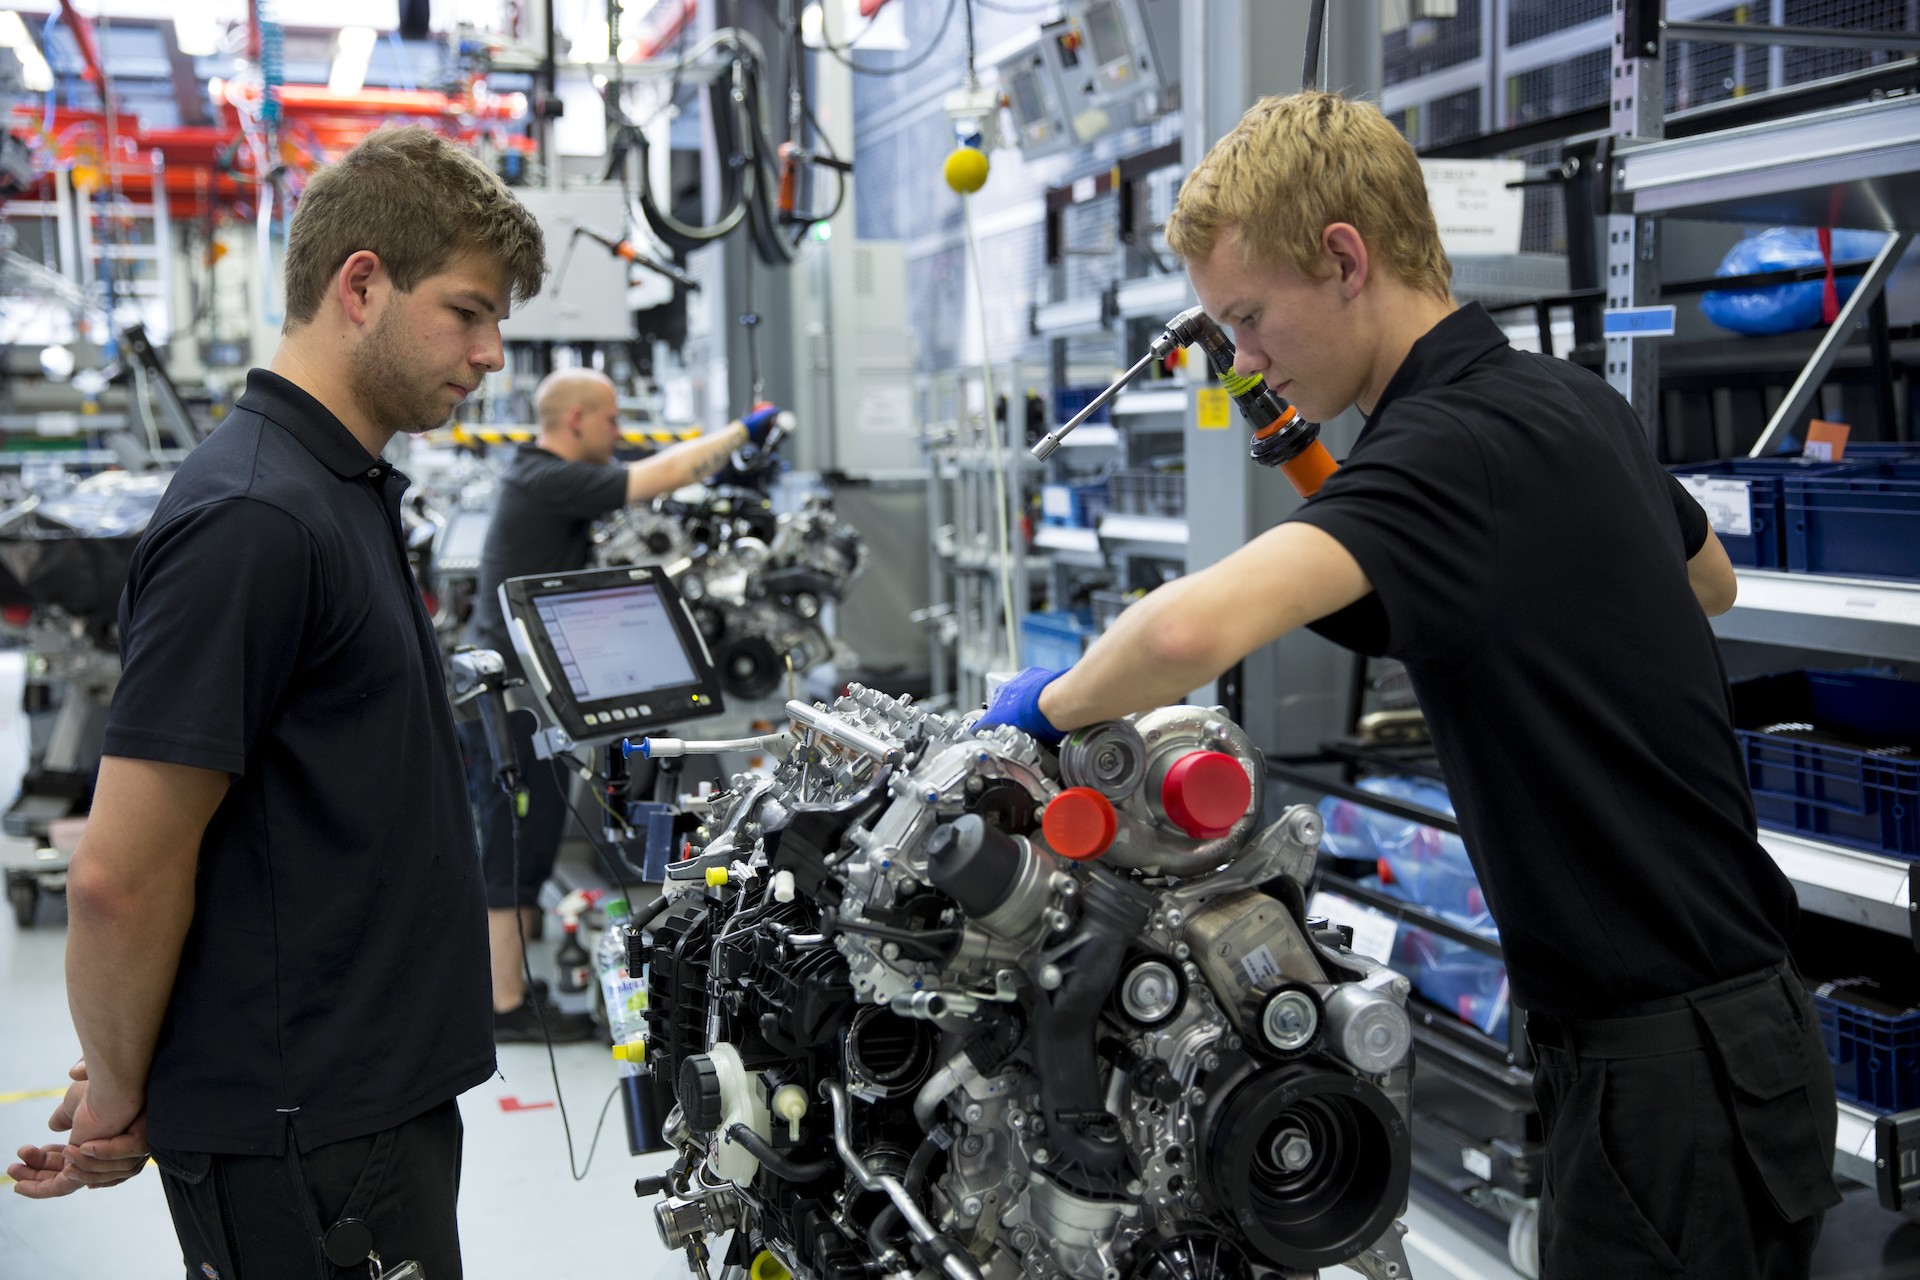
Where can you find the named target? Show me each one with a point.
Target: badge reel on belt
(349, 1243)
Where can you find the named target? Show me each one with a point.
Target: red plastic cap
(1205, 793)
(1079, 823)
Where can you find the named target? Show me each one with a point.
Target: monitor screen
(465, 537)
(610, 652)
(1026, 99)
(618, 642)
(1106, 35)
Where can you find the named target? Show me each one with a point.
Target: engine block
(933, 1000)
(758, 583)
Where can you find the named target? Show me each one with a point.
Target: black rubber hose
(923, 1160)
(1065, 1028)
(792, 1170)
(880, 1229)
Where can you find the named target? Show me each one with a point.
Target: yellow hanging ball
(966, 170)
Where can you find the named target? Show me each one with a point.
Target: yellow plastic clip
(768, 1267)
(634, 1051)
(716, 876)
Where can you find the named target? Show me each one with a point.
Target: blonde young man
(551, 494)
(1501, 528)
(277, 936)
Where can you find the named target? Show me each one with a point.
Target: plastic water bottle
(624, 994)
(623, 988)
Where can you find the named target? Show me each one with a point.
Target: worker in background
(550, 495)
(277, 929)
(1502, 529)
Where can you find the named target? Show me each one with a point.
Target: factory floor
(522, 1213)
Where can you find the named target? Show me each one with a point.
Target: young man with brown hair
(1502, 529)
(277, 946)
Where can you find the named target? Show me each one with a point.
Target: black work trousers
(514, 880)
(263, 1217)
(1693, 1138)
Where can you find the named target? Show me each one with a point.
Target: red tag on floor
(514, 1104)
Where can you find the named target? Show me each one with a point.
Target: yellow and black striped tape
(521, 435)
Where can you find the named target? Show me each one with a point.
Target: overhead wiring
(933, 47)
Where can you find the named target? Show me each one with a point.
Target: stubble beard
(385, 387)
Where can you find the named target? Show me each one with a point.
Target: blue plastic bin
(1864, 522)
(1073, 505)
(1055, 640)
(1765, 547)
(1875, 1055)
(1068, 401)
(1838, 782)
(1882, 451)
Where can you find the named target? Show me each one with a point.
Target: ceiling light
(349, 74)
(35, 74)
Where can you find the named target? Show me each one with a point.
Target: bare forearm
(129, 902)
(1193, 628)
(688, 462)
(123, 952)
(1150, 656)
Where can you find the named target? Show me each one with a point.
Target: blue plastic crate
(1765, 547)
(1875, 1056)
(1862, 523)
(1055, 640)
(1068, 401)
(1838, 783)
(1073, 505)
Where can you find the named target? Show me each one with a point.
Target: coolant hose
(1084, 1134)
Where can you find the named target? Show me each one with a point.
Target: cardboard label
(1826, 441)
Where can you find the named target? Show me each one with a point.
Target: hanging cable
(839, 51)
(992, 425)
(1316, 25)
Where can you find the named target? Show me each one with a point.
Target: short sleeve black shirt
(1528, 559)
(334, 978)
(542, 523)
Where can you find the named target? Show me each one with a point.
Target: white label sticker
(1474, 207)
(1728, 503)
(1056, 500)
(1477, 1162)
(1260, 966)
(1373, 931)
(1084, 189)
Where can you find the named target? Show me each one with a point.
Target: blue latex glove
(760, 421)
(1018, 704)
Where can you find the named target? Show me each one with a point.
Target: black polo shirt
(335, 974)
(1528, 558)
(542, 523)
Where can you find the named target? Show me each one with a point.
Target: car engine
(759, 583)
(930, 1001)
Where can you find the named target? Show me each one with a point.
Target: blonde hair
(418, 202)
(1296, 164)
(563, 389)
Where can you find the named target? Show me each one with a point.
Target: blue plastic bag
(1783, 308)
(1417, 863)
